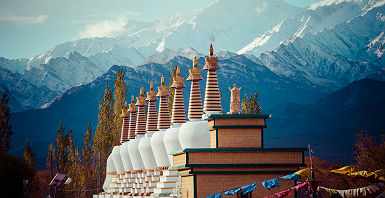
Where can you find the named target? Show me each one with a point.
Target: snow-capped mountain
(228, 24)
(23, 94)
(314, 19)
(13, 65)
(168, 54)
(336, 56)
(60, 74)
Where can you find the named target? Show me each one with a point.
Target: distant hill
(330, 123)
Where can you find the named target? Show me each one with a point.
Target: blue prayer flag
(292, 176)
(232, 191)
(271, 183)
(248, 188)
(217, 195)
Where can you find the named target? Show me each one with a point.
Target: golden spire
(211, 50)
(141, 100)
(195, 73)
(178, 81)
(211, 61)
(151, 96)
(125, 112)
(178, 71)
(162, 90)
(132, 106)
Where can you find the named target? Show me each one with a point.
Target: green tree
(119, 99)
(51, 159)
(62, 142)
(29, 155)
(250, 105)
(5, 128)
(170, 100)
(87, 177)
(103, 138)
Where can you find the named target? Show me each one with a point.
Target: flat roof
(190, 150)
(239, 116)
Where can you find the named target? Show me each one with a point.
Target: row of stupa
(139, 166)
(210, 153)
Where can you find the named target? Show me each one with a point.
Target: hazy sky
(30, 27)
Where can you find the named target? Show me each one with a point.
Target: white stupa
(151, 127)
(136, 131)
(157, 143)
(171, 140)
(110, 172)
(124, 139)
(115, 154)
(195, 133)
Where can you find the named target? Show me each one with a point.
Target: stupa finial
(132, 99)
(177, 70)
(125, 112)
(151, 96)
(162, 80)
(211, 50)
(195, 63)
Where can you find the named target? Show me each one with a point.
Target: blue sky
(29, 28)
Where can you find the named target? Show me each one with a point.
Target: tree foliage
(86, 165)
(5, 128)
(369, 153)
(29, 155)
(120, 90)
(170, 100)
(104, 139)
(250, 105)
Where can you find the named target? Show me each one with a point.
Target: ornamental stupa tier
(141, 119)
(212, 95)
(178, 111)
(164, 114)
(195, 110)
(152, 117)
(125, 125)
(140, 130)
(132, 127)
(171, 138)
(157, 143)
(151, 127)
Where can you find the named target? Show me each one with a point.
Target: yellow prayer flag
(344, 170)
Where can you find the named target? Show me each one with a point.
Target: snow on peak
(260, 40)
(328, 3)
